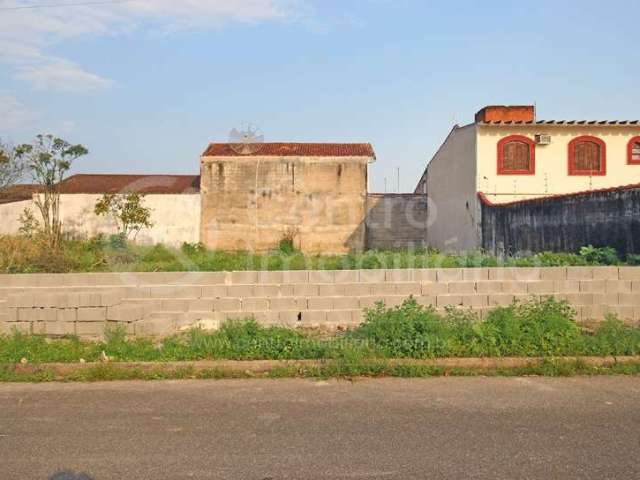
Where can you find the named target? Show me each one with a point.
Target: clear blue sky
(146, 84)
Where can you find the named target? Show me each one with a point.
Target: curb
(266, 366)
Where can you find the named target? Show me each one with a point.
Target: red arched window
(587, 156)
(516, 156)
(633, 155)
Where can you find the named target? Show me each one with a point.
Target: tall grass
(101, 254)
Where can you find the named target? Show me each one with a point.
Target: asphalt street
(458, 428)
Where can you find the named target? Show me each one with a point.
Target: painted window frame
(571, 150)
(632, 142)
(532, 155)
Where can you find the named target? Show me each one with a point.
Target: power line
(58, 5)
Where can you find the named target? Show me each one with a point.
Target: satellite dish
(247, 140)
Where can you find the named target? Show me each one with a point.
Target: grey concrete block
(290, 317)
(383, 289)
(227, 305)
(295, 276)
(449, 275)
(424, 275)
(287, 303)
(242, 278)
(59, 328)
(214, 291)
(434, 288)
(321, 276)
(125, 313)
(320, 303)
(346, 303)
(255, 304)
(201, 305)
(407, 289)
(92, 299)
(398, 275)
(46, 314)
(331, 290)
(66, 314)
(372, 276)
(90, 329)
(271, 290)
(305, 290)
(314, 317)
(475, 274)
(175, 305)
(175, 291)
(270, 277)
(27, 314)
(92, 314)
(241, 291)
(345, 276)
(25, 300)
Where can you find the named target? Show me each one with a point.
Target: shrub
(544, 327)
(599, 255)
(411, 330)
(614, 337)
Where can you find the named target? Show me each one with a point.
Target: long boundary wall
(603, 218)
(152, 304)
(175, 217)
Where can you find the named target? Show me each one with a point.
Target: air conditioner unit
(543, 139)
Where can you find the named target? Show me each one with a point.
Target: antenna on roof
(249, 139)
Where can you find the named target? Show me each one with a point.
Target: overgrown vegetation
(127, 212)
(537, 328)
(31, 252)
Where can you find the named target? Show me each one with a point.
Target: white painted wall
(176, 218)
(10, 215)
(551, 175)
(451, 188)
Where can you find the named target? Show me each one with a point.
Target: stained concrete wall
(604, 219)
(396, 221)
(450, 184)
(176, 218)
(149, 304)
(251, 203)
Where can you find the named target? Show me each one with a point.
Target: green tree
(48, 159)
(127, 211)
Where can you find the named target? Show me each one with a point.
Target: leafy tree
(48, 159)
(11, 167)
(127, 212)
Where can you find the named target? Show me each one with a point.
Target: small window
(587, 156)
(634, 151)
(516, 156)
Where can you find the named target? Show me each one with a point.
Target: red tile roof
(568, 123)
(294, 150)
(17, 193)
(146, 184)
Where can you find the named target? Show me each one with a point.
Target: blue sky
(146, 84)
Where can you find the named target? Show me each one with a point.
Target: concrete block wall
(396, 221)
(152, 304)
